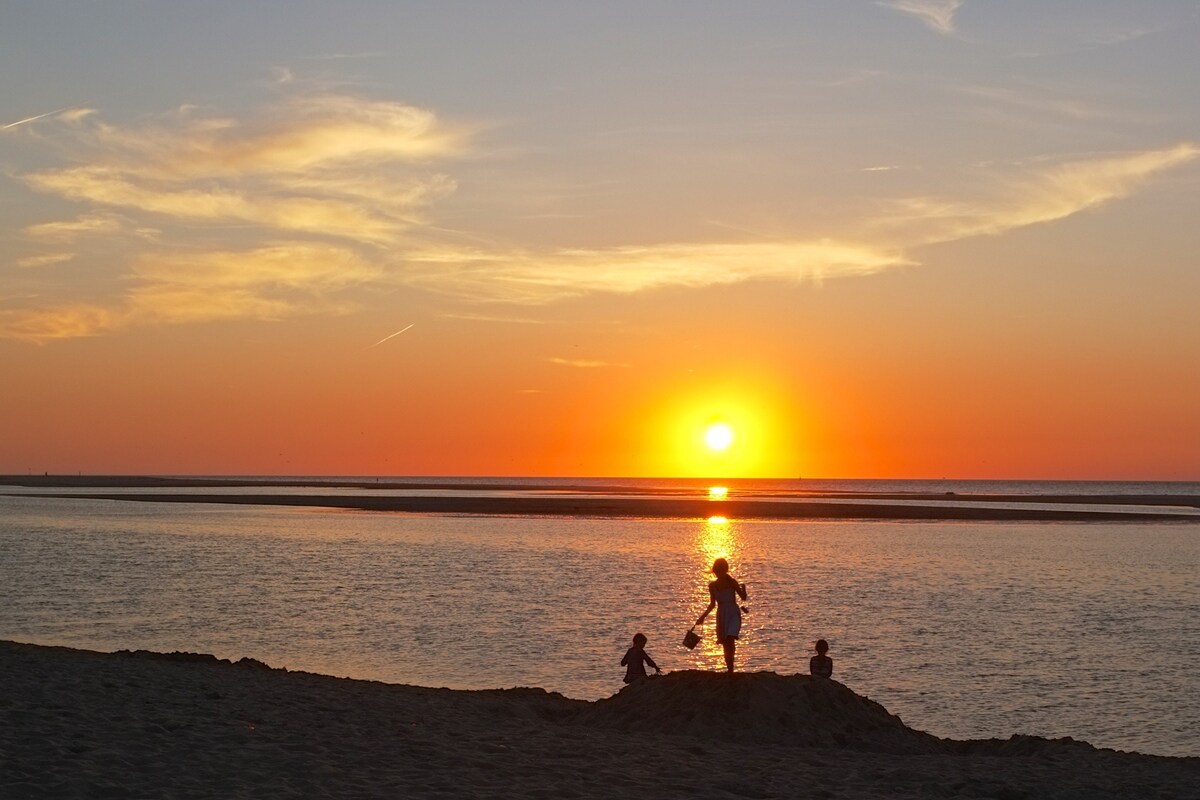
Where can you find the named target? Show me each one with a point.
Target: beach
(85, 724)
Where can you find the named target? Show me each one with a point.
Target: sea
(965, 629)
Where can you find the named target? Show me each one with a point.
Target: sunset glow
(845, 240)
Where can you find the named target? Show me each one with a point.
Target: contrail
(397, 333)
(31, 119)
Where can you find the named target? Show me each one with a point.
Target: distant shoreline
(592, 501)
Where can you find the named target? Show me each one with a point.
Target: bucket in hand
(691, 639)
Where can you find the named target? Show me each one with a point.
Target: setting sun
(718, 437)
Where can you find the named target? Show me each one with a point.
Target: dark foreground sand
(81, 724)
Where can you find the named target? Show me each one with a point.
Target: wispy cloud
(1037, 100)
(70, 230)
(68, 321)
(272, 282)
(1048, 193)
(312, 190)
(936, 14)
(511, 320)
(1007, 197)
(44, 260)
(329, 165)
(583, 363)
(532, 277)
(325, 194)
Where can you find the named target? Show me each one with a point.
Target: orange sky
(886, 239)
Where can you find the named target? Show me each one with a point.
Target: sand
(75, 723)
(591, 500)
(645, 507)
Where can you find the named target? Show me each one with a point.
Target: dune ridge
(76, 723)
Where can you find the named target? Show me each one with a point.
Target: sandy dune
(81, 724)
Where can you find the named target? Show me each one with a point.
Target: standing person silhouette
(723, 595)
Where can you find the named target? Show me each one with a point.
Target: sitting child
(636, 659)
(821, 665)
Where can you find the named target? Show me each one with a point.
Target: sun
(718, 437)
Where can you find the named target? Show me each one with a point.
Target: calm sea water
(964, 629)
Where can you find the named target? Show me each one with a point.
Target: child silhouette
(636, 659)
(821, 665)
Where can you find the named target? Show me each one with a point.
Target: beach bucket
(691, 639)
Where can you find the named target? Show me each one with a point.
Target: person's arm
(650, 661)
(712, 603)
(741, 590)
(625, 659)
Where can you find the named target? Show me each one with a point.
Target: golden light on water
(718, 493)
(716, 537)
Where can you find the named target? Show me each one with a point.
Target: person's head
(720, 568)
(639, 640)
(822, 647)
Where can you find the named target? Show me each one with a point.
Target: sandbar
(642, 507)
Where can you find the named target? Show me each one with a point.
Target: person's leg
(730, 645)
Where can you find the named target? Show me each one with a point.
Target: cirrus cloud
(1046, 193)
(332, 166)
(540, 277)
(322, 194)
(936, 14)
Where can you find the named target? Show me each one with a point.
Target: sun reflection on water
(716, 537)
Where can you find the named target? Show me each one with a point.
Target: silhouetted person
(636, 658)
(821, 665)
(723, 595)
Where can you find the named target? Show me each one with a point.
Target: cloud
(327, 165)
(1048, 194)
(324, 194)
(45, 260)
(60, 322)
(323, 208)
(936, 14)
(312, 191)
(510, 320)
(269, 283)
(1035, 100)
(70, 230)
(531, 277)
(583, 363)
(1010, 197)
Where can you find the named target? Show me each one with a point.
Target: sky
(875, 238)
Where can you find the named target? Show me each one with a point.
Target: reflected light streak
(718, 492)
(717, 537)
